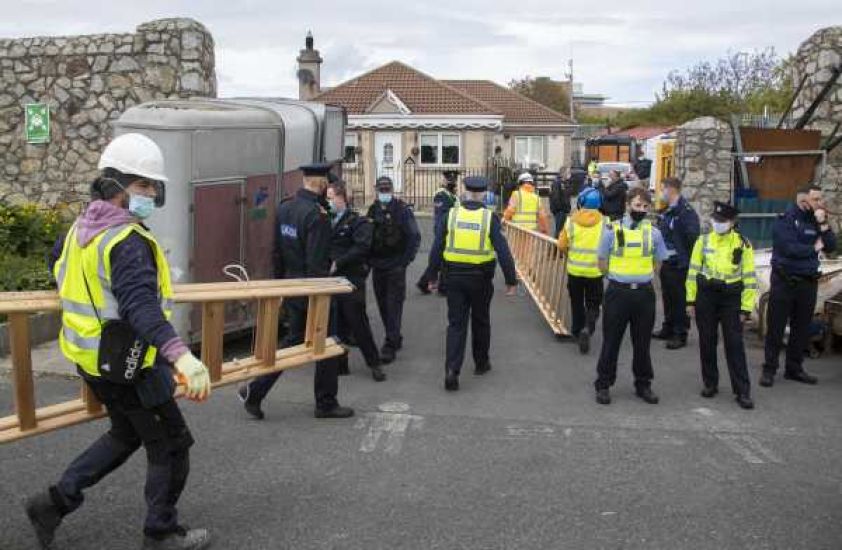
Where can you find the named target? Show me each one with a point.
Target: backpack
(388, 239)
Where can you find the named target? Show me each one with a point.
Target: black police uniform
(395, 243)
(443, 201)
(350, 247)
(679, 226)
(302, 247)
(795, 274)
(470, 290)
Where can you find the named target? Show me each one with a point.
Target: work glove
(195, 377)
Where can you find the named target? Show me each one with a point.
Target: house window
(529, 150)
(440, 149)
(350, 149)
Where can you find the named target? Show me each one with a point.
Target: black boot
(451, 381)
(584, 339)
(479, 370)
(44, 516)
(744, 402)
(801, 376)
(603, 396)
(251, 405)
(767, 379)
(710, 391)
(336, 412)
(676, 342)
(387, 354)
(647, 395)
(377, 373)
(181, 539)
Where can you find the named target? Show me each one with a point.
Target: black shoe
(182, 539)
(377, 373)
(710, 391)
(387, 354)
(451, 381)
(422, 286)
(44, 516)
(676, 343)
(647, 395)
(603, 397)
(801, 376)
(744, 402)
(584, 340)
(661, 335)
(767, 379)
(252, 406)
(480, 370)
(335, 412)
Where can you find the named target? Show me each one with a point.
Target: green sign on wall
(37, 123)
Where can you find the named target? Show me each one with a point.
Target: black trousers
(390, 291)
(326, 377)
(585, 301)
(626, 307)
(674, 297)
(715, 308)
(352, 320)
(794, 304)
(468, 296)
(163, 433)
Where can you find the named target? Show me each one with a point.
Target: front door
(387, 155)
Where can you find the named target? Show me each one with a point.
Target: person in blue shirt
(798, 236)
(679, 226)
(629, 253)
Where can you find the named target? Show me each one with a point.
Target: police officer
(798, 236)
(580, 240)
(443, 201)
(350, 247)
(469, 242)
(680, 227)
(394, 246)
(721, 290)
(525, 208)
(302, 248)
(115, 290)
(629, 253)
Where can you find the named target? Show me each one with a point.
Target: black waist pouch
(121, 353)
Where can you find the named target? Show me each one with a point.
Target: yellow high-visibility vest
(582, 252)
(635, 256)
(86, 307)
(713, 259)
(469, 236)
(526, 212)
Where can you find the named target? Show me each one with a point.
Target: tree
(544, 90)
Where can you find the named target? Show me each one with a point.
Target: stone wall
(703, 162)
(87, 82)
(816, 58)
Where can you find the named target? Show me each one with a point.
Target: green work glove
(195, 377)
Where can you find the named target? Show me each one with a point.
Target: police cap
(318, 169)
(723, 211)
(384, 182)
(476, 183)
(450, 175)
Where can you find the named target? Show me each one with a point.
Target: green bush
(27, 234)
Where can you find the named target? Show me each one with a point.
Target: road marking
(388, 426)
(759, 448)
(530, 431)
(704, 411)
(737, 444)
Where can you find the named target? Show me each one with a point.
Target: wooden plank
(22, 370)
(213, 332)
(92, 404)
(266, 331)
(321, 323)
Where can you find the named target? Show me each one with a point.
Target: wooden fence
(542, 269)
(18, 306)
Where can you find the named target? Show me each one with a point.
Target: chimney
(309, 70)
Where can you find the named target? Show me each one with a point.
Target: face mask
(385, 198)
(721, 227)
(637, 215)
(141, 206)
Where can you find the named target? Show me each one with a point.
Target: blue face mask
(385, 198)
(141, 206)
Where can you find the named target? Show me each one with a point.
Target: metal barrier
(28, 421)
(542, 269)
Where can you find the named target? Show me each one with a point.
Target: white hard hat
(134, 154)
(526, 176)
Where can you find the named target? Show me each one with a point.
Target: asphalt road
(522, 458)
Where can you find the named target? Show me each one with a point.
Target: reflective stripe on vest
(582, 253)
(86, 308)
(526, 212)
(469, 236)
(635, 257)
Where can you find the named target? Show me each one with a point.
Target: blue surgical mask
(721, 227)
(141, 206)
(385, 198)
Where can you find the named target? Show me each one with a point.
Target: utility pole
(570, 78)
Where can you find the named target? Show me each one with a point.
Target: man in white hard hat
(525, 208)
(116, 296)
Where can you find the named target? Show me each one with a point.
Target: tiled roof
(421, 93)
(516, 108)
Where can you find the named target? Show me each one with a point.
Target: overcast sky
(623, 49)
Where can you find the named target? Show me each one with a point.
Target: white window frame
(440, 149)
(529, 141)
(350, 136)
